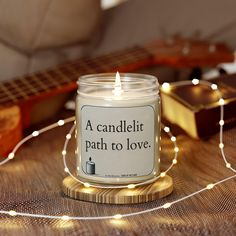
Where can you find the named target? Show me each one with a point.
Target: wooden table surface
(32, 183)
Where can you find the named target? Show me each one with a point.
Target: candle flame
(118, 90)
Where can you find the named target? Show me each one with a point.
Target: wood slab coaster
(150, 192)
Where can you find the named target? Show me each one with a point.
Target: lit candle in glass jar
(118, 128)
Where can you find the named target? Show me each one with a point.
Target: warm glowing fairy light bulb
(130, 186)
(163, 174)
(173, 138)
(165, 87)
(65, 217)
(174, 161)
(12, 213)
(221, 122)
(66, 169)
(167, 205)
(221, 145)
(68, 136)
(176, 149)
(61, 122)
(117, 216)
(214, 86)
(35, 133)
(63, 152)
(221, 101)
(11, 155)
(87, 185)
(195, 81)
(210, 186)
(167, 129)
(228, 165)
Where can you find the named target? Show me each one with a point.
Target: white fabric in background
(39, 31)
(12, 62)
(139, 21)
(40, 34)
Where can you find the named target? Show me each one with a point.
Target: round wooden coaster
(159, 189)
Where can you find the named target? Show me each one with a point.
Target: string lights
(129, 186)
(165, 87)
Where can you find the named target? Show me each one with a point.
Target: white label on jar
(117, 142)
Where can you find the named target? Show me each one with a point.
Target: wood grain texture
(10, 128)
(32, 183)
(150, 192)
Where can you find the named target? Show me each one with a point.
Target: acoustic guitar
(20, 96)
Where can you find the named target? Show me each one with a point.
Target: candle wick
(117, 90)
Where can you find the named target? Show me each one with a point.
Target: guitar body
(30, 99)
(14, 119)
(10, 128)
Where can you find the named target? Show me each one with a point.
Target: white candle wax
(118, 131)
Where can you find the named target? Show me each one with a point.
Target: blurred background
(35, 35)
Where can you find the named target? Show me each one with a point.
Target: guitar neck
(63, 77)
(177, 53)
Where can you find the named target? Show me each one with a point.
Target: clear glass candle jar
(118, 128)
